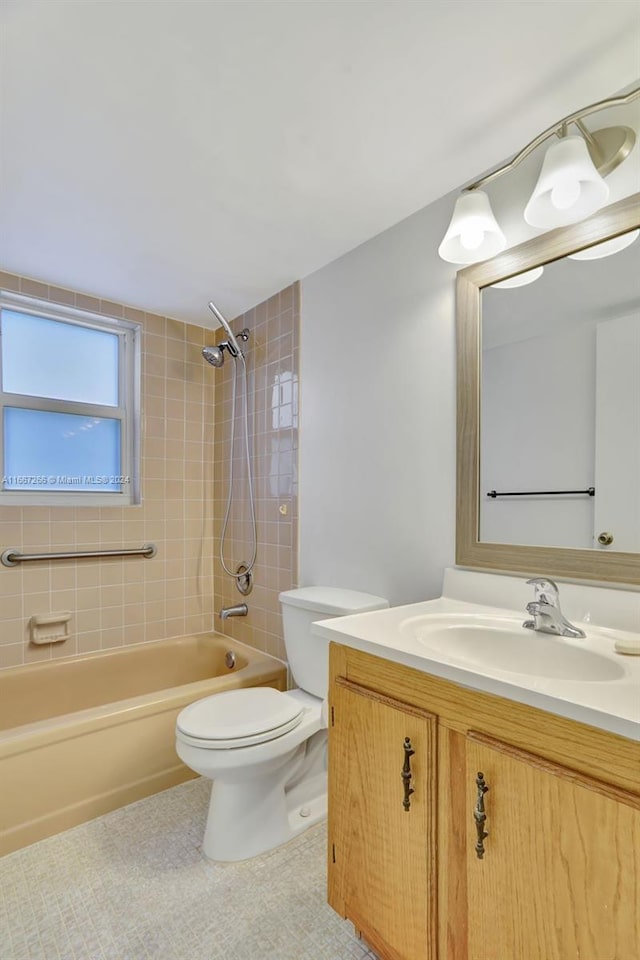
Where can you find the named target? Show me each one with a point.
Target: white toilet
(265, 750)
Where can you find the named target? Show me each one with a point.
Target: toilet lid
(237, 718)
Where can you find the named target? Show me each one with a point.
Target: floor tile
(133, 885)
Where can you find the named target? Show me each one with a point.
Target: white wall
(377, 448)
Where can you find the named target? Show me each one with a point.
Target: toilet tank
(308, 655)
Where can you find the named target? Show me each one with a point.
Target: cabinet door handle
(480, 816)
(406, 773)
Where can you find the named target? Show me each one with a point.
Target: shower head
(213, 355)
(233, 346)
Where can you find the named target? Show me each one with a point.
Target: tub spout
(240, 610)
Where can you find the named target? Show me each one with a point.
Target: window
(69, 406)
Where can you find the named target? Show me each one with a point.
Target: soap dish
(50, 627)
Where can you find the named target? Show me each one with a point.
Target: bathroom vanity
(476, 813)
(484, 778)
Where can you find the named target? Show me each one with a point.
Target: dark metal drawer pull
(406, 773)
(480, 816)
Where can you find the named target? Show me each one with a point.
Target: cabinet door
(556, 880)
(381, 855)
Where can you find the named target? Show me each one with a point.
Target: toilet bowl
(254, 802)
(265, 750)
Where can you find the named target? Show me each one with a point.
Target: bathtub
(82, 736)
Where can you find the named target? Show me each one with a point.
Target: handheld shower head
(233, 346)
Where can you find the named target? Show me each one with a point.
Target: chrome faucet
(545, 609)
(239, 610)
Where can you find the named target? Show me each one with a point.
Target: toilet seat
(238, 718)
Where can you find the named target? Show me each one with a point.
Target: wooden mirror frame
(566, 562)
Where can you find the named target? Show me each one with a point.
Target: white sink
(504, 644)
(473, 636)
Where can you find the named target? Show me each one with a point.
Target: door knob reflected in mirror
(605, 538)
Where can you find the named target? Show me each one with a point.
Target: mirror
(560, 405)
(549, 404)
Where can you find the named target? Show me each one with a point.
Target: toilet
(265, 750)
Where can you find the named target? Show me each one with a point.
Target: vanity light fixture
(607, 248)
(570, 187)
(473, 233)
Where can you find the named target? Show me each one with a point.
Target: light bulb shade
(520, 279)
(607, 247)
(569, 187)
(473, 233)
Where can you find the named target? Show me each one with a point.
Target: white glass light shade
(569, 187)
(520, 279)
(606, 249)
(473, 233)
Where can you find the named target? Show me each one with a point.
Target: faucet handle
(546, 590)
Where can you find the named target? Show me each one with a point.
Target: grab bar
(11, 558)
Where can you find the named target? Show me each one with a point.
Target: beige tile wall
(117, 601)
(272, 358)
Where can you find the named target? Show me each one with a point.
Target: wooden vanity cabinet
(382, 847)
(559, 873)
(556, 878)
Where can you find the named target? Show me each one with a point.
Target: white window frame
(127, 411)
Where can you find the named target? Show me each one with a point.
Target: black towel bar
(590, 491)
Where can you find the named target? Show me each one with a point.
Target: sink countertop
(612, 705)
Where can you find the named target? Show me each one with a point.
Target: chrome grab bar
(11, 558)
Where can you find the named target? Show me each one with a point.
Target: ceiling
(169, 152)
